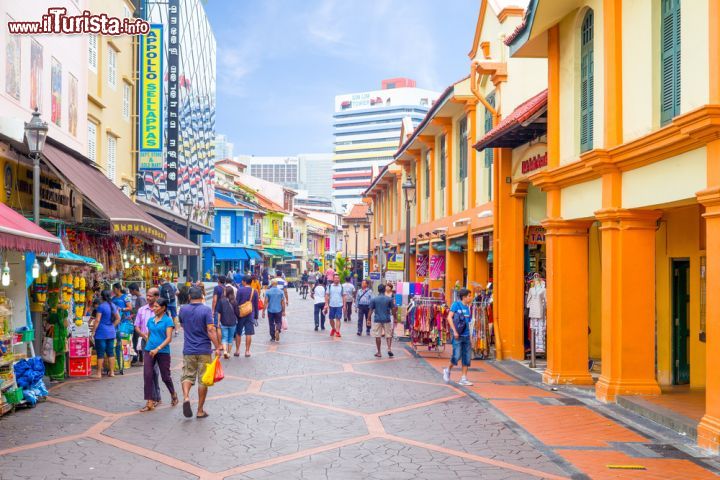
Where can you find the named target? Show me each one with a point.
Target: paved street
(319, 408)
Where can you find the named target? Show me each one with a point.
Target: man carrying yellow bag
(199, 331)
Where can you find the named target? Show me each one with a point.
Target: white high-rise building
(223, 148)
(310, 174)
(367, 133)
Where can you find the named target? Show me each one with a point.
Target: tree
(342, 268)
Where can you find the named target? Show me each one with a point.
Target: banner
(151, 90)
(437, 267)
(396, 261)
(535, 235)
(421, 265)
(150, 160)
(173, 55)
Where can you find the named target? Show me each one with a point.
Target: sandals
(247, 354)
(204, 415)
(390, 354)
(175, 400)
(236, 354)
(147, 408)
(187, 409)
(378, 355)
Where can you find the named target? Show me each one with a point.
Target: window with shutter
(112, 67)
(92, 141)
(111, 157)
(442, 162)
(670, 61)
(127, 94)
(462, 148)
(427, 174)
(489, 151)
(92, 52)
(586, 83)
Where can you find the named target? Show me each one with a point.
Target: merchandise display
(481, 327)
(429, 327)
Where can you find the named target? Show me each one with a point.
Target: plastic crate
(28, 335)
(79, 367)
(79, 347)
(14, 396)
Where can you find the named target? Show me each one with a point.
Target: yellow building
(111, 98)
(633, 193)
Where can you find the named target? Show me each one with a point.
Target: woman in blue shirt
(157, 348)
(106, 319)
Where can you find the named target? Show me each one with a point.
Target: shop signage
(366, 268)
(437, 267)
(393, 276)
(375, 276)
(395, 261)
(535, 235)
(151, 90)
(534, 163)
(57, 198)
(130, 227)
(173, 121)
(422, 263)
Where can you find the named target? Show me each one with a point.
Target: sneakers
(332, 332)
(465, 382)
(446, 375)
(337, 334)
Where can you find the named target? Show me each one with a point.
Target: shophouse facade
(633, 193)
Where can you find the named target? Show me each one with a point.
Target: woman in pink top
(329, 274)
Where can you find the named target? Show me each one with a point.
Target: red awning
(19, 233)
(176, 244)
(519, 127)
(126, 217)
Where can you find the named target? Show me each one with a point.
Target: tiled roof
(518, 30)
(357, 212)
(522, 113)
(220, 203)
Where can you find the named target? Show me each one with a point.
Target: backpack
(167, 292)
(460, 322)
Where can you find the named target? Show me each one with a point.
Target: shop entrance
(681, 331)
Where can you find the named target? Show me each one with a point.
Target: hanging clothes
(536, 304)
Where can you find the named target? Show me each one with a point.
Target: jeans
(275, 323)
(363, 317)
(319, 315)
(104, 347)
(228, 334)
(152, 389)
(461, 350)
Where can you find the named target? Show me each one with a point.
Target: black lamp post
(409, 188)
(346, 235)
(35, 135)
(356, 226)
(369, 215)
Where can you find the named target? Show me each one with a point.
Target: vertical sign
(173, 55)
(151, 95)
(437, 267)
(422, 265)
(365, 269)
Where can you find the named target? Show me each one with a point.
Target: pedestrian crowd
(238, 301)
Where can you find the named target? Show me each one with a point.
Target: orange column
(400, 209)
(453, 270)
(471, 111)
(450, 180)
(470, 256)
(433, 177)
(567, 302)
(419, 189)
(627, 303)
(612, 34)
(509, 258)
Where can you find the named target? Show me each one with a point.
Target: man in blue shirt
(275, 306)
(384, 309)
(335, 305)
(200, 336)
(459, 321)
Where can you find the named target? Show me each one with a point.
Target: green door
(681, 332)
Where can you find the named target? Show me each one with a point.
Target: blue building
(230, 245)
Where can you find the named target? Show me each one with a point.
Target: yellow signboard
(396, 262)
(151, 93)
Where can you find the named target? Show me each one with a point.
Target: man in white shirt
(334, 305)
(282, 285)
(349, 298)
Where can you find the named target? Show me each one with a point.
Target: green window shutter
(670, 61)
(586, 83)
(488, 126)
(442, 162)
(463, 148)
(427, 174)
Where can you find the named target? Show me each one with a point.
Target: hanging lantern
(35, 269)
(124, 256)
(126, 264)
(47, 262)
(6, 275)
(148, 260)
(54, 272)
(132, 256)
(137, 260)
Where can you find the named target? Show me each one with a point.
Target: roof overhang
(527, 122)
(530, 38)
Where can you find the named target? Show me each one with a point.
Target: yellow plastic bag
(208, 378)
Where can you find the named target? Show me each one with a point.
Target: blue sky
(280, 63)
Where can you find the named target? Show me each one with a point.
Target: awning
(229, 254)
(277, 252)
(19, 233)
(126, 218)
(175, 244)
(253, 254)
(438, 246)
(527, 122)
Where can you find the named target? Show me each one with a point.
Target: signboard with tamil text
(151, 98)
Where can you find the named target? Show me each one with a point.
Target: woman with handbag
(247, 313)
(157, 351)
(227, 316)
(104, 332)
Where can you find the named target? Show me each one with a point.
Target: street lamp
(356, 226)
(346, 235)
(35, 135)
(369, 215)
(409, 188)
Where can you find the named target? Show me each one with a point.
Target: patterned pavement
(312, 407)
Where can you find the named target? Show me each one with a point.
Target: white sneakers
(463, 381)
